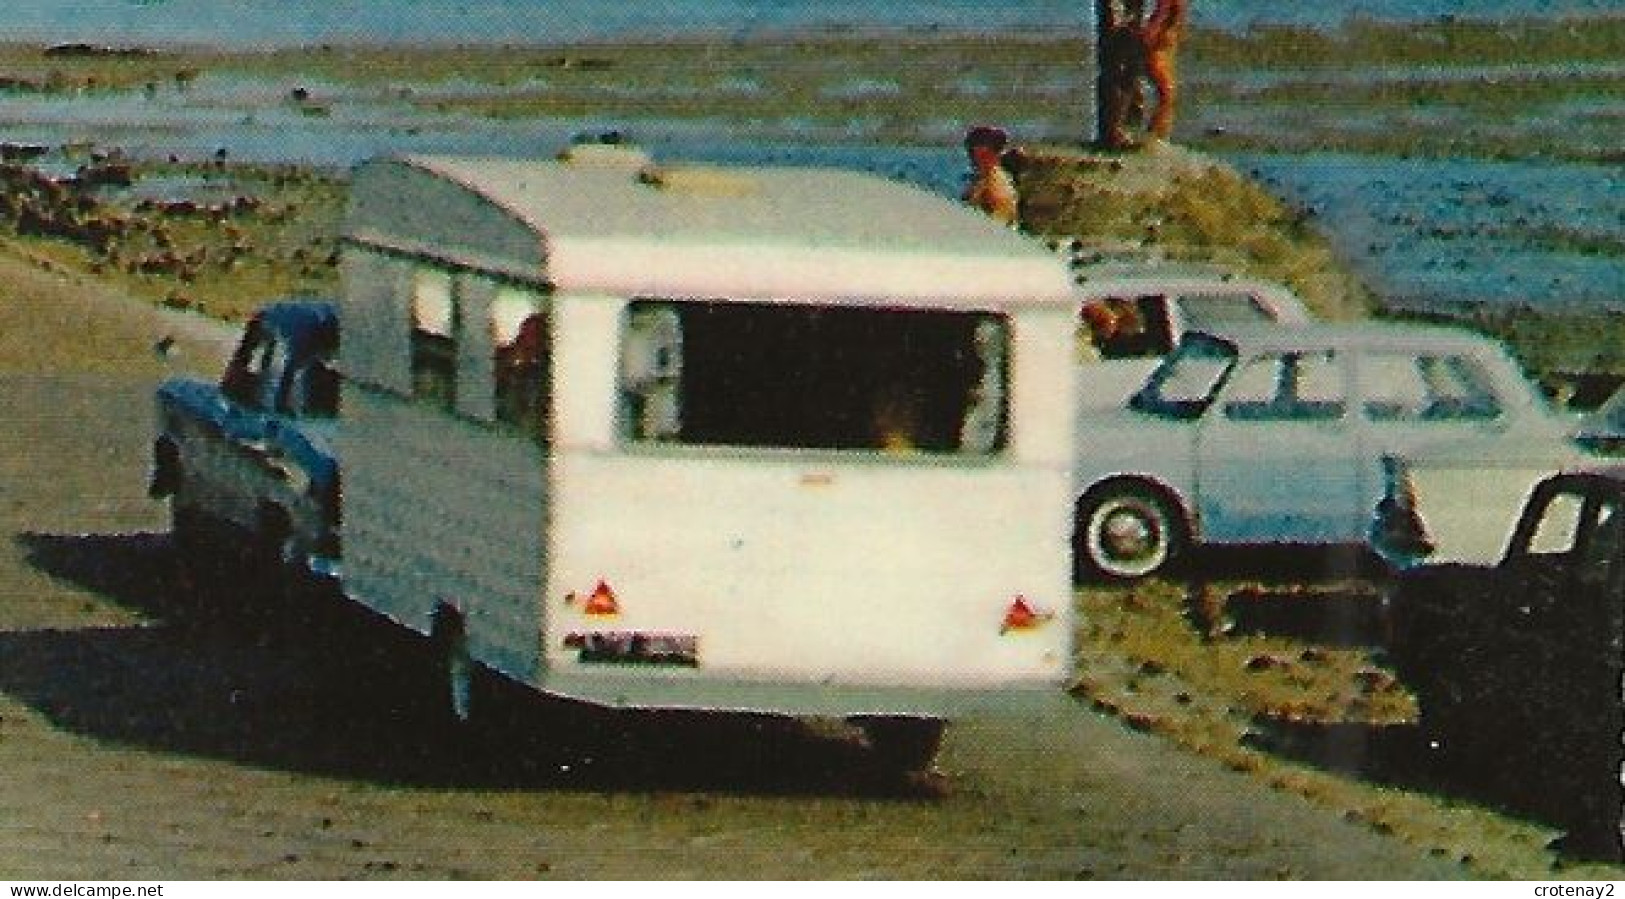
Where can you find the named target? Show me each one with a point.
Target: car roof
(1607, 471)
(1249, 336)
(1152, 271)
(304, 322)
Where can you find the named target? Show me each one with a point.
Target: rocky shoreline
(212, 236)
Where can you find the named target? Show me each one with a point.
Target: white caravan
(766, 439)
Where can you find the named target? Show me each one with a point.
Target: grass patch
(1186, 207)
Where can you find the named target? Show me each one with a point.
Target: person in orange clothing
(1160, 38)
(991, 189)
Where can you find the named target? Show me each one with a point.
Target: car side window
(1287, 387)
(1557, 531)
(521, 368)
(1457, 389)
(1605, 548)
(272, 375)
(1258, 381)
(313, 391)
(1392, 386)
(245, 372)
(1407, 387)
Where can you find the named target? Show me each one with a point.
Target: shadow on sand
(1408, 757)
(1334, 598)
(318, 685)
(1326, 596)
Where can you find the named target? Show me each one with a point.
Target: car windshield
(1207, 309)
(1184, 384)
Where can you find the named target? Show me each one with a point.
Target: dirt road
(141, 737)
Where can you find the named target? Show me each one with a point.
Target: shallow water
(1422, 232)
(293, 22)
(1457, 231)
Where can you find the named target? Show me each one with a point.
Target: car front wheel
(1125, 531)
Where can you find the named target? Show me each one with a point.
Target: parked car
(1268, 435)
(1517, 666)
(1131, 317)
(247, 462)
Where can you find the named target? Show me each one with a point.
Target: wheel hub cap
(1128, 536)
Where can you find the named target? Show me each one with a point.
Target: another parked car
(1458, 502)
(248, 463)
(1517, 666)
(1272, 435)
(1132, 317)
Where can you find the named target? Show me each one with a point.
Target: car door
(1558, 614)
(1601, 579)
(1278, 460)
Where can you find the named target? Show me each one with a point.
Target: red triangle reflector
(1021, 616)
(602, 601)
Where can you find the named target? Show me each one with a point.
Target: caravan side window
(521, 362)
(434, 339)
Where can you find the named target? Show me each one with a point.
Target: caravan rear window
(803, 377)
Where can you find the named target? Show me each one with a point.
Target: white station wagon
(1276, 435)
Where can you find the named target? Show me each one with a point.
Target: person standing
(1159, 39)
(1121, 63)
(991, 189)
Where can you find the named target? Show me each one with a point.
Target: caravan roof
(627, 229)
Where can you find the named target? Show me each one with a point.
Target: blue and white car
(1275, 434)
(248, 463)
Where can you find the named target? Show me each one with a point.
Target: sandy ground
(143, 736)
